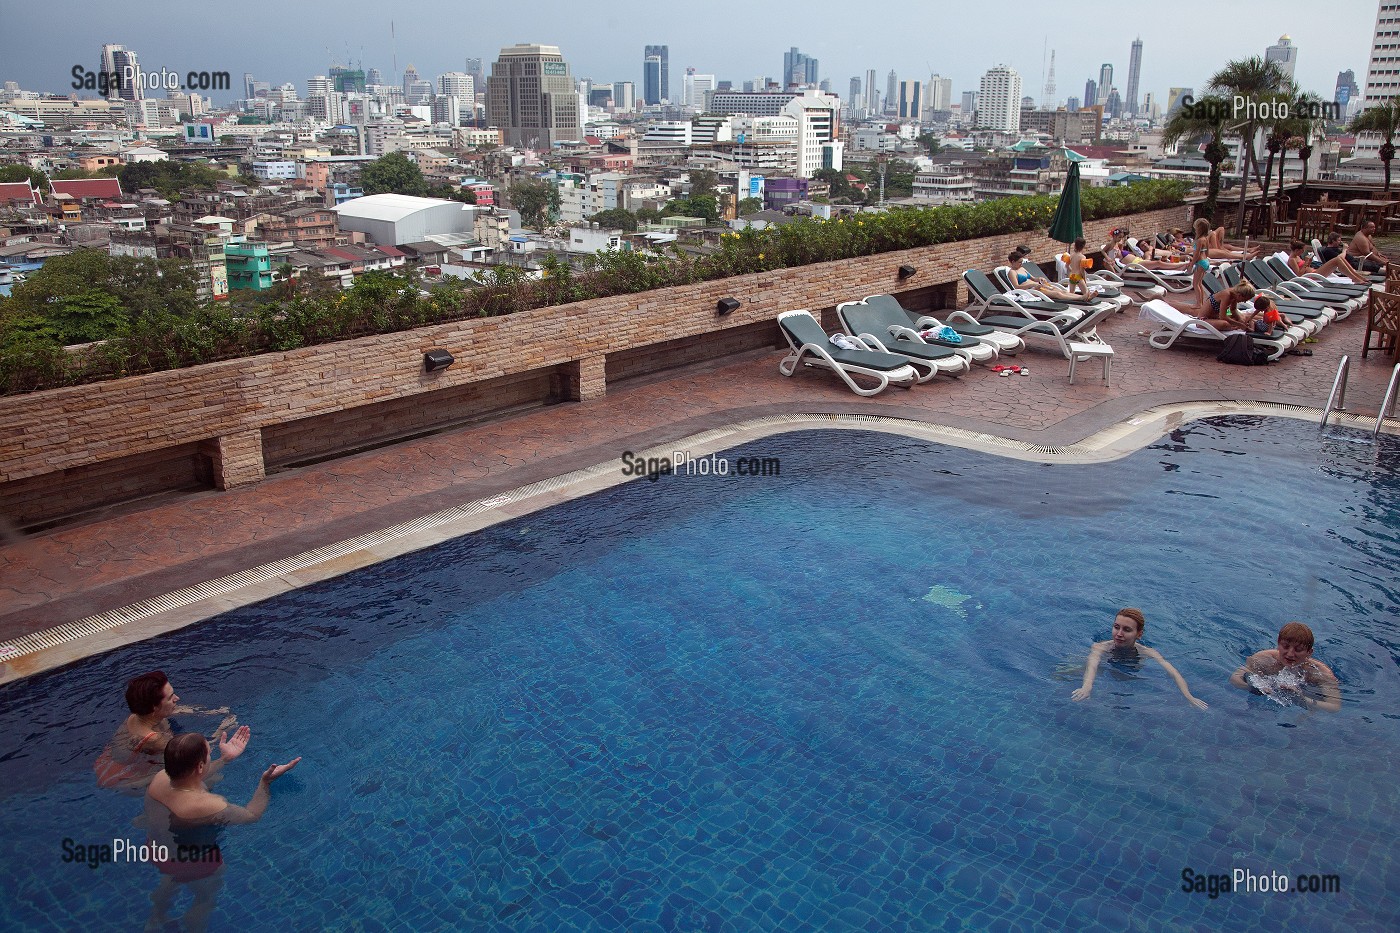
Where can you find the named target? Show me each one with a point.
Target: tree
(836, 178)
(1384, 119)
(929, 142)
(536, 200)
(750, 206)
(1254, 80)
(394, 173)
(697, 205)
(169, 178)
(1203, 120)
(616, 217)
(36, 178)
(703, 182)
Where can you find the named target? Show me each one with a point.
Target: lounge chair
(1109, 284)
(1071, 325)
(983, 347)
(1335, 283)
(880, 330)
(965, 324)
(1258, 274)
(1139, 276)
(1173, 325)
(812, 346)
(1005, 281)
(987, 297)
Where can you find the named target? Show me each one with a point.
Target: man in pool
(185, 817)
(1261, 673)
(1127, 629)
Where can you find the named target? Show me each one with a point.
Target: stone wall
(235, 409)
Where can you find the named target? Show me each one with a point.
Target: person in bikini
(1025, 280)
(184, 817)
(1222, 309)
(1260, 674)
(1128, 626)
(1332, 257)
(133, 755)
(1077, 264)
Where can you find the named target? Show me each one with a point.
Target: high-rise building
(1174, 96)
(872, 95)
(446, 109)
(457, 84)
(798, 69)
(1382, 74)
(624, 96)
(1091, 92)
(247, 85)
(120, 63)
(318, 86)
(891, 91)
(911, 100)
(1105, 82)
(969, 104)
(1285, 54)
(1114, 106)
(695, 88)
(661, 88)
(373, 76)
(940, 93)
(418, 93)
(999, 104)
(853, 100)
(530, 96)
(478, 73)
(818, 131)
(1072, 105)
(1346, 88)
(1134, 72)
(410, 74)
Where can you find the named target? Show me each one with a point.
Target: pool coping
(68, 642)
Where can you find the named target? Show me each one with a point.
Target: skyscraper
(1284, 54)
(1174, 96)
(1346, 88)
(853, 100)
(372, 76)
(624, 96)
(662, 89)
(872, 95)
(1105, 82)
(1091, 93)
(530, 96)
(651, 79)
(891, 91)
(410, 74)
(911, 100)
(798, 69)
(999, 100)
(1134, 72)
(475, 70)
(120, 63)
(940, 93)
(696, 86)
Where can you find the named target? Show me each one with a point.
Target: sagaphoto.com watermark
(1247, 881)
(1240, 107)
(683, 463)
(133, 78)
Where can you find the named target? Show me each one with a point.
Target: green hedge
(381, 303)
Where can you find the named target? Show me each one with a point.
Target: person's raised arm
(229, 749)
(1175, 675)
(1091, 669)
(257, 805)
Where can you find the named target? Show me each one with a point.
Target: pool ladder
(1336, 401)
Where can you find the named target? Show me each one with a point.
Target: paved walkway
(73, 572)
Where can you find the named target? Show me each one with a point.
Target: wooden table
(1359, 210)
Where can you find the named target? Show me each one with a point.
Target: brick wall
(226, 407)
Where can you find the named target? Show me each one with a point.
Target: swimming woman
(1127, 629)
(134, 753)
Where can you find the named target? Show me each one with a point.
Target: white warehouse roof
(388, 207)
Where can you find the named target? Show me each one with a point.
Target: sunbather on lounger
(1334, 261)
(1217, 248)
(1222, 309)
(1127, 629)
(1118, 249)
(1024, 279)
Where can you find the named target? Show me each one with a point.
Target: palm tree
(1256, 81)
(1205, 119)
(1303, 125)
(1384, 119)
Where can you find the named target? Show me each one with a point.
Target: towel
(845, 343)
(947, 333)
(1022, 295)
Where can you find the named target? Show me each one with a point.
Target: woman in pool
(133, 755)
(1127, 629)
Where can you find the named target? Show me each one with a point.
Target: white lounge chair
(811, 346)
(1173, 325)
(876, 329)
(886, 313)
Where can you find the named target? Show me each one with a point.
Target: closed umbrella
(1068, 223)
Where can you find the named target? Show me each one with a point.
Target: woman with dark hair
(134, 753)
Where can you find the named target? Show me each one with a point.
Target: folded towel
(1022, 295)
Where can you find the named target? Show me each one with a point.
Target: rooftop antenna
(394, 46)
(1048, 100)
(1045, 44)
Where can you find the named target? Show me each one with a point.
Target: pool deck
(141, 552)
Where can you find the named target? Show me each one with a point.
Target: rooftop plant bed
(149, 336)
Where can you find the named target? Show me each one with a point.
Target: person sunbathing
(1334, 261)
(1222, 309)
(1218, 248)
(1024, 280)
(1128, 626)
(1119, 250)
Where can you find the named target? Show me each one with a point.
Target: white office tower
(999, 100)
(694, 90)
(459, 85)
(1105, 82)
(624, 96)
(818, 125)
(911, 100)
(318, 86)
(872, 95)
(1285, 54)
(940, 93)
(1382, 73)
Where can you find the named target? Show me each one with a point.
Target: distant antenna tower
(394, 46)
(1048, 100)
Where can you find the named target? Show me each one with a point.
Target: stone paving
(140, 552)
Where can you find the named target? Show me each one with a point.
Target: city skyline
(606, 48)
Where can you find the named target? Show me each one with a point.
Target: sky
(1183, 43)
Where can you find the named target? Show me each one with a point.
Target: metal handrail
(1388, 401)
(1339, 391)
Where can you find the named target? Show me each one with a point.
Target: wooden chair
(1280, 227)
(1383, 320)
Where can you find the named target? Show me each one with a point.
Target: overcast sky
(290, 40)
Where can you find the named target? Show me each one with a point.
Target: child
(1077, 263)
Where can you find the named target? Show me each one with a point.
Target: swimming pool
(837, 698)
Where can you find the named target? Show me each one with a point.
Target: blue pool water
(835, 699)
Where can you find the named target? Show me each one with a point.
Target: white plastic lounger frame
(1073, 326)
(1167, 281)
(1107, 279)
(1173, 324)
(972, 349)
(814, 354)
(958, 362)
(1008, 344)
(1001, 277)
